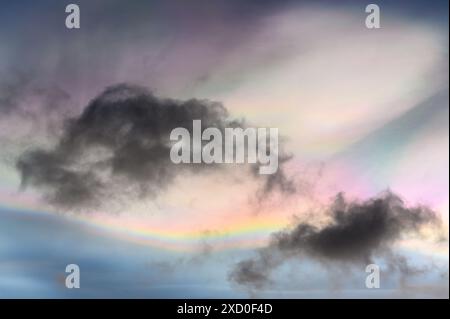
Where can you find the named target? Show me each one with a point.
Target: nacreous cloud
(119, 146)
(356, 233)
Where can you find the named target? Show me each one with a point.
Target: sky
(86, 177)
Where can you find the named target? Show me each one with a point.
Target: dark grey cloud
(119, 146)
(356, 233)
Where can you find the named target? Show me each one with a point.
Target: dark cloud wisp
(120, 146)
(356, 233)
